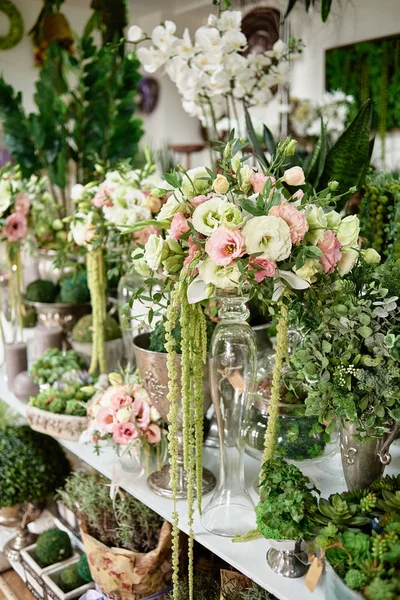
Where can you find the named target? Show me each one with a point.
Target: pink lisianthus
(22, 204)
(193, 248)
(153, 434)
(225, 245)
(197, 200)
(141, 410)
(119, 400)
(298, 195)
(258, 180)
(294, 218)
(124, 433)
(16, 227)
(330, 247)
(268, 268)
(106, 419)
(103, 197)
(179, 225)
(142, 236)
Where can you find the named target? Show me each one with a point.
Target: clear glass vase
(132, 314)
(233, 375)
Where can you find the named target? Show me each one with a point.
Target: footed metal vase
(288, 558)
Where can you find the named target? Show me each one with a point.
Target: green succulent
(66, 399)
(355, 579)
(367, 503)
(339, 512)
(53, 546)
(390, 501)
(53, 364)
(380, 589)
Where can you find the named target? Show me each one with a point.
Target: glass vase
(132, 314)
(233, 375)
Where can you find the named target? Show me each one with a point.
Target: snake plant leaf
(315, 163)
(347, 159)
(254, 140)
(269, 140)
(325, 9)
(290, 6)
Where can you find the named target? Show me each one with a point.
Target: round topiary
(84, 569)
(83, 330)
(74, 289)
(41, 290)
(53, 546)
(32, 466)
(71, 579)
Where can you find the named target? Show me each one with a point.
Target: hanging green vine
(97, 287)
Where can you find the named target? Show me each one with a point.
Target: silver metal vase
(288, 558)
(154, 374)
(364, 461)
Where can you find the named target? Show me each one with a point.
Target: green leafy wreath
(16, 30)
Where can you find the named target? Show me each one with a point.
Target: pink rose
(225, 245)
(141, 410)
(142, 236)
(294, 218)
(197, 200)
(258, 180)
(106, 418)
(124, 433)
(119, 400)
(103, 197)
(179, 225)
(153, 433)
(22, 204)
(193, 248)
(268, 268)
(330, 246)
(16, 227)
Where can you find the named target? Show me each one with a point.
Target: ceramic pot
(114, 352)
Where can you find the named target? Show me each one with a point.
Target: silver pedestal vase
(364, 461)
(154, 374)
(288, 558)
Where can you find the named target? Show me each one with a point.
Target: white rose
(77, 192)
(173, 205)
(371, 256)
(206, 217)
(309, 270)
(135, 33)
(317, 223)
(348, 260)
(5, 196)
(222, 277)
(139, 264)
(124, 414)
(348, 230)
(269, 237)
(195, 182)
(155, 251)
(333, 219)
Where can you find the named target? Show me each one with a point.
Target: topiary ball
(52, 547)
(83, 330)
(32, 466)
(84, 569)
(74, 289)
(71, 579)
(41, 290)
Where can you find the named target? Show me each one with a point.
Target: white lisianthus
(317, 223)
(139, 264)
(230, 20)
(294, 176)
(77, 191)
(207, 216)
(5, 196)
(173, 205)
(333, 220)
(309, 271)
(348, 260)
(135, 34)
(231, 216)
(124, 414)
(155, 251)
(348, 230)
(371, 256)
(268, 237)
(154, 415)
(195, 182)
(222, 277)
(79, 230)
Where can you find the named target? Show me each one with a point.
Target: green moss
(29, 319)
(41, 290)
(83, 330)
(71, 579)
(74, 289)
(53, 546)
(84, 569)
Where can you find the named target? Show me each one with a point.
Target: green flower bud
(173, 264)
(174, 246)
(333, 185)
(291, 147)
(57, 224)
(227, 150)
(235, 162)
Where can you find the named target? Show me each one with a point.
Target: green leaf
(251, 207)
(365, 331)
(325, 9)
(290, 6)
(269, 141)
(173, 179)
(254, 140)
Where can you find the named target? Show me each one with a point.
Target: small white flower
(173, 205)
(268, 237)
(195, 182)
(163, 36)
(77, 191)
(348, 230)
(222, 277)
(208, 39)
(207, 216)
(317, 223)
(154, 414)
(5, 196)
(234, 41)
(230, 20)
(155, 251)
(135, 34)
(151, 59)
(348, 260)
(124, 414)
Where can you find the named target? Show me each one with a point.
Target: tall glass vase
(233, 373)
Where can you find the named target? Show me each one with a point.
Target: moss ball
(83, 330)
(71, 579)
(84, 569)
(41, 290)
(52, 547)
(74, 289)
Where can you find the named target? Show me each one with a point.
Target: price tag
(237, 381)
(314, 573)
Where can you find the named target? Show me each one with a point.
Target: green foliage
(74, 289)
(7, 416)
(54, 364)
(71, 578)
(339, 512)
(157, 335)
(83, 330)
(123, 523)
(53, 546)
(41, 290)
(69, 397)
(84, 569)
(32, 465)
(286, 500)
(325, 7)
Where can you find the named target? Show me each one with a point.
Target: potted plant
(120, 536)
(68, 581)
(82, 341)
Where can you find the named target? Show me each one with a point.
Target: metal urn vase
(364, 461)
(154, 374)
(288, 558)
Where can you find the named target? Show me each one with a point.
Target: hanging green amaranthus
(97, 287)
(13, 251)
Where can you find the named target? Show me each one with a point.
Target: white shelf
(249, 557)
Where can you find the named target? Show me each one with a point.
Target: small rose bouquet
(124, 416)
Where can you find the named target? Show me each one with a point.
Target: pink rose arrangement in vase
(122, 415)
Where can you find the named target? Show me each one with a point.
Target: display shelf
(248, 557)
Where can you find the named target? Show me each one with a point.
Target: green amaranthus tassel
(97, 287)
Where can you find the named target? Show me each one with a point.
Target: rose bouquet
(124, 416)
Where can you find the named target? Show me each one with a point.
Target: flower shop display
(348, 365)
(82, 341)
(66, 582)
(127, 545)
(123, 415)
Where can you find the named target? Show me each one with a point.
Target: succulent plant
(339, 512)
(53, 546)
(390, 501)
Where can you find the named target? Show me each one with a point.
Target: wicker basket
(65, 427)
